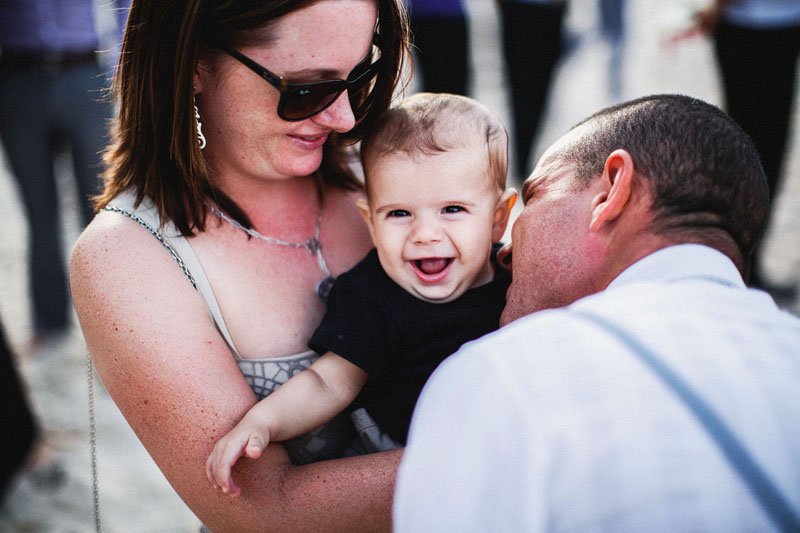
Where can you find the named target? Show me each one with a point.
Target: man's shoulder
(673, 319)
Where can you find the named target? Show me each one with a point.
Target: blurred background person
(612, 29)
(17, 418)
(51, 101)
(532, 34)
(440, 35)
(756, 45)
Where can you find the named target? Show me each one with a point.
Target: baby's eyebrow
(455, 201)
(389, 207)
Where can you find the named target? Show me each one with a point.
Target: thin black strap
(767, 494)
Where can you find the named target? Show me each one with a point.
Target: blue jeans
(45, 109)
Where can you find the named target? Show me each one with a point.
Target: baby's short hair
(431, 123)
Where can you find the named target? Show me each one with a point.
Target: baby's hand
(242, 441)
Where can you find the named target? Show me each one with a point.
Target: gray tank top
(264, 375)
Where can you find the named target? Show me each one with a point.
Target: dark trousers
(759, 69)
(442, 53)
(532, 46)
(45, 109)
(16, 419)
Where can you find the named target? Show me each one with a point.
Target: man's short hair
(702, 170)
(428, 124)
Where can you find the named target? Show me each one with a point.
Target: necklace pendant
(313, 245)
(324, 288)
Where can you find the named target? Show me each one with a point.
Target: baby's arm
(303, 403)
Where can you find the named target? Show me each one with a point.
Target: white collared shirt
(551, 424)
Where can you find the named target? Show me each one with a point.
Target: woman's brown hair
(154, 145)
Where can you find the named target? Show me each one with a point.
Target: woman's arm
(306, 401)
(178, 386)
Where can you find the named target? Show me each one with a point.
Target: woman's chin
(303, 166)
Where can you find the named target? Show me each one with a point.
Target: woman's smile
(309, 142)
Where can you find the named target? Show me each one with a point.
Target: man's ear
(502, 212)
(366, 214)
(617, 183)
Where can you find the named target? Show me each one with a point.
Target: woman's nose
(338, 116)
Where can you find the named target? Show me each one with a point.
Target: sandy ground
(133, 495)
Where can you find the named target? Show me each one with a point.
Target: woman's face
(239, 109)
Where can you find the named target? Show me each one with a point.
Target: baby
(435, 172)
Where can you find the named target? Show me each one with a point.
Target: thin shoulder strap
(159, 236)
(768, 495)
(183, 254)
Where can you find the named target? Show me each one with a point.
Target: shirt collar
(682, 261)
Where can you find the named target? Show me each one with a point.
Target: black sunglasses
(299, 101)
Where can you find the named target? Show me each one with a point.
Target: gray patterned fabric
(265, 375)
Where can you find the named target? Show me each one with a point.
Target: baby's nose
(426, 233)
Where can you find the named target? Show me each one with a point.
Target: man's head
(435, 170)
(627, 181)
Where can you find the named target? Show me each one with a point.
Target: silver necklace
(312, 245)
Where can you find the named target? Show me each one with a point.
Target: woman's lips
(431, 269)
(309, 142)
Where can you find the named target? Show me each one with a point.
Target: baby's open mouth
(433, 265)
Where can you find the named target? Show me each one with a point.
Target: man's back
(581, 435)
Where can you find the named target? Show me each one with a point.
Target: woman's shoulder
(110, 235)
(115, 247)
(124, 228)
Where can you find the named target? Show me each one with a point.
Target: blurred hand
(703, 23)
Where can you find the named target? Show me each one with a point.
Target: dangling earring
(201, 139)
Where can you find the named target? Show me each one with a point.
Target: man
(665, 396)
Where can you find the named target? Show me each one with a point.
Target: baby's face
(431, 219)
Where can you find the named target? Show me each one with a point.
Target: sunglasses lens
(360, 85)
(303, 101)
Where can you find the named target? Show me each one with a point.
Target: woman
(239, 174)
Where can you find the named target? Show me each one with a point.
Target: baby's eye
(398, 213)
(453, 209)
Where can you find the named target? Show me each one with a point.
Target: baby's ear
(366, 214)
(502, 212)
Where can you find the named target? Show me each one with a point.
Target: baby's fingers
(220, 462)
(255, 445)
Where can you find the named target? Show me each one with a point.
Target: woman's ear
(201, 71)
(615, 196)
(502, 212)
